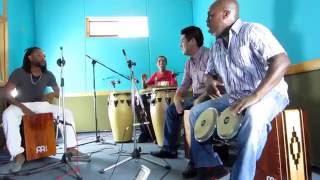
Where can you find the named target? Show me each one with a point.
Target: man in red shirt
(161, 78)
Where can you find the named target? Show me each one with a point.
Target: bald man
(251, 63)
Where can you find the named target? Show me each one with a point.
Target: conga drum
(120, 116)
(161, 98)
(38, 136)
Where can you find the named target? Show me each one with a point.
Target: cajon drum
(39, 136)
(286, 154)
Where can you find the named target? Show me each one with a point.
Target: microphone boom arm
(94, 61)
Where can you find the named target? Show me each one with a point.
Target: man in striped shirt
(194, 72)
(251, 64)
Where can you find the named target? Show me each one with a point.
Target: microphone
(61, 62)
(116, 81)
(130, 62)
(124, 53)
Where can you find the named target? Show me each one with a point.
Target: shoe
(165, 154)
(78, 156)
(18, 162)
(217, 172)
(190, 171)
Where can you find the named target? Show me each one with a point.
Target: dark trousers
(173, 125)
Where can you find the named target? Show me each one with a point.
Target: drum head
(116, 93)
(205, 125)
(228, 124)
(164, 89)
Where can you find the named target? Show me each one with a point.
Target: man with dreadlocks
(30, 81)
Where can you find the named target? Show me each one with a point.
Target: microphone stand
(136, 153)
(66, 157)
(94, 62)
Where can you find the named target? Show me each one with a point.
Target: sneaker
(165, 154)
(190, 171)
(18, 162)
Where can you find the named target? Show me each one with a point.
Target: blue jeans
(173, 125)
(251, 139)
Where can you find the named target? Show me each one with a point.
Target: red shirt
(166, 78)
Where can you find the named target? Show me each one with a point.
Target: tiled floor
(103, 156)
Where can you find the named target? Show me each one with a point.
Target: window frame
(108, 19)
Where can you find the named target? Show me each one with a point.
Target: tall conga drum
(161, 98)
(120, 115)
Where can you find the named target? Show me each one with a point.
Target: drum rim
(164, 88)
(211, 132)
(145, 91)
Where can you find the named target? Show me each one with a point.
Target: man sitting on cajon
(30, 82)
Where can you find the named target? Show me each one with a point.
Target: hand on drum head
(242, 104)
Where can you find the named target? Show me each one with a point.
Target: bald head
(221, 15)
(227, 5)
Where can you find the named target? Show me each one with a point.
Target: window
(122, 27)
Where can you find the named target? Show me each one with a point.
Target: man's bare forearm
(13, 101)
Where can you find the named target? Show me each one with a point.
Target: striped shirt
(194, 72)
(244, 63)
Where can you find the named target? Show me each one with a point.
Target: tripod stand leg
(66, 160)
(157, 163)
(115, 165)
(78, 176)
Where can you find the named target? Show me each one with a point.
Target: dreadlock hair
(26, 62)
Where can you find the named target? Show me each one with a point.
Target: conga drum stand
(136, 153)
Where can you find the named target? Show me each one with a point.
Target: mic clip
(114, 82)
(131, 63)
(61, 62)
